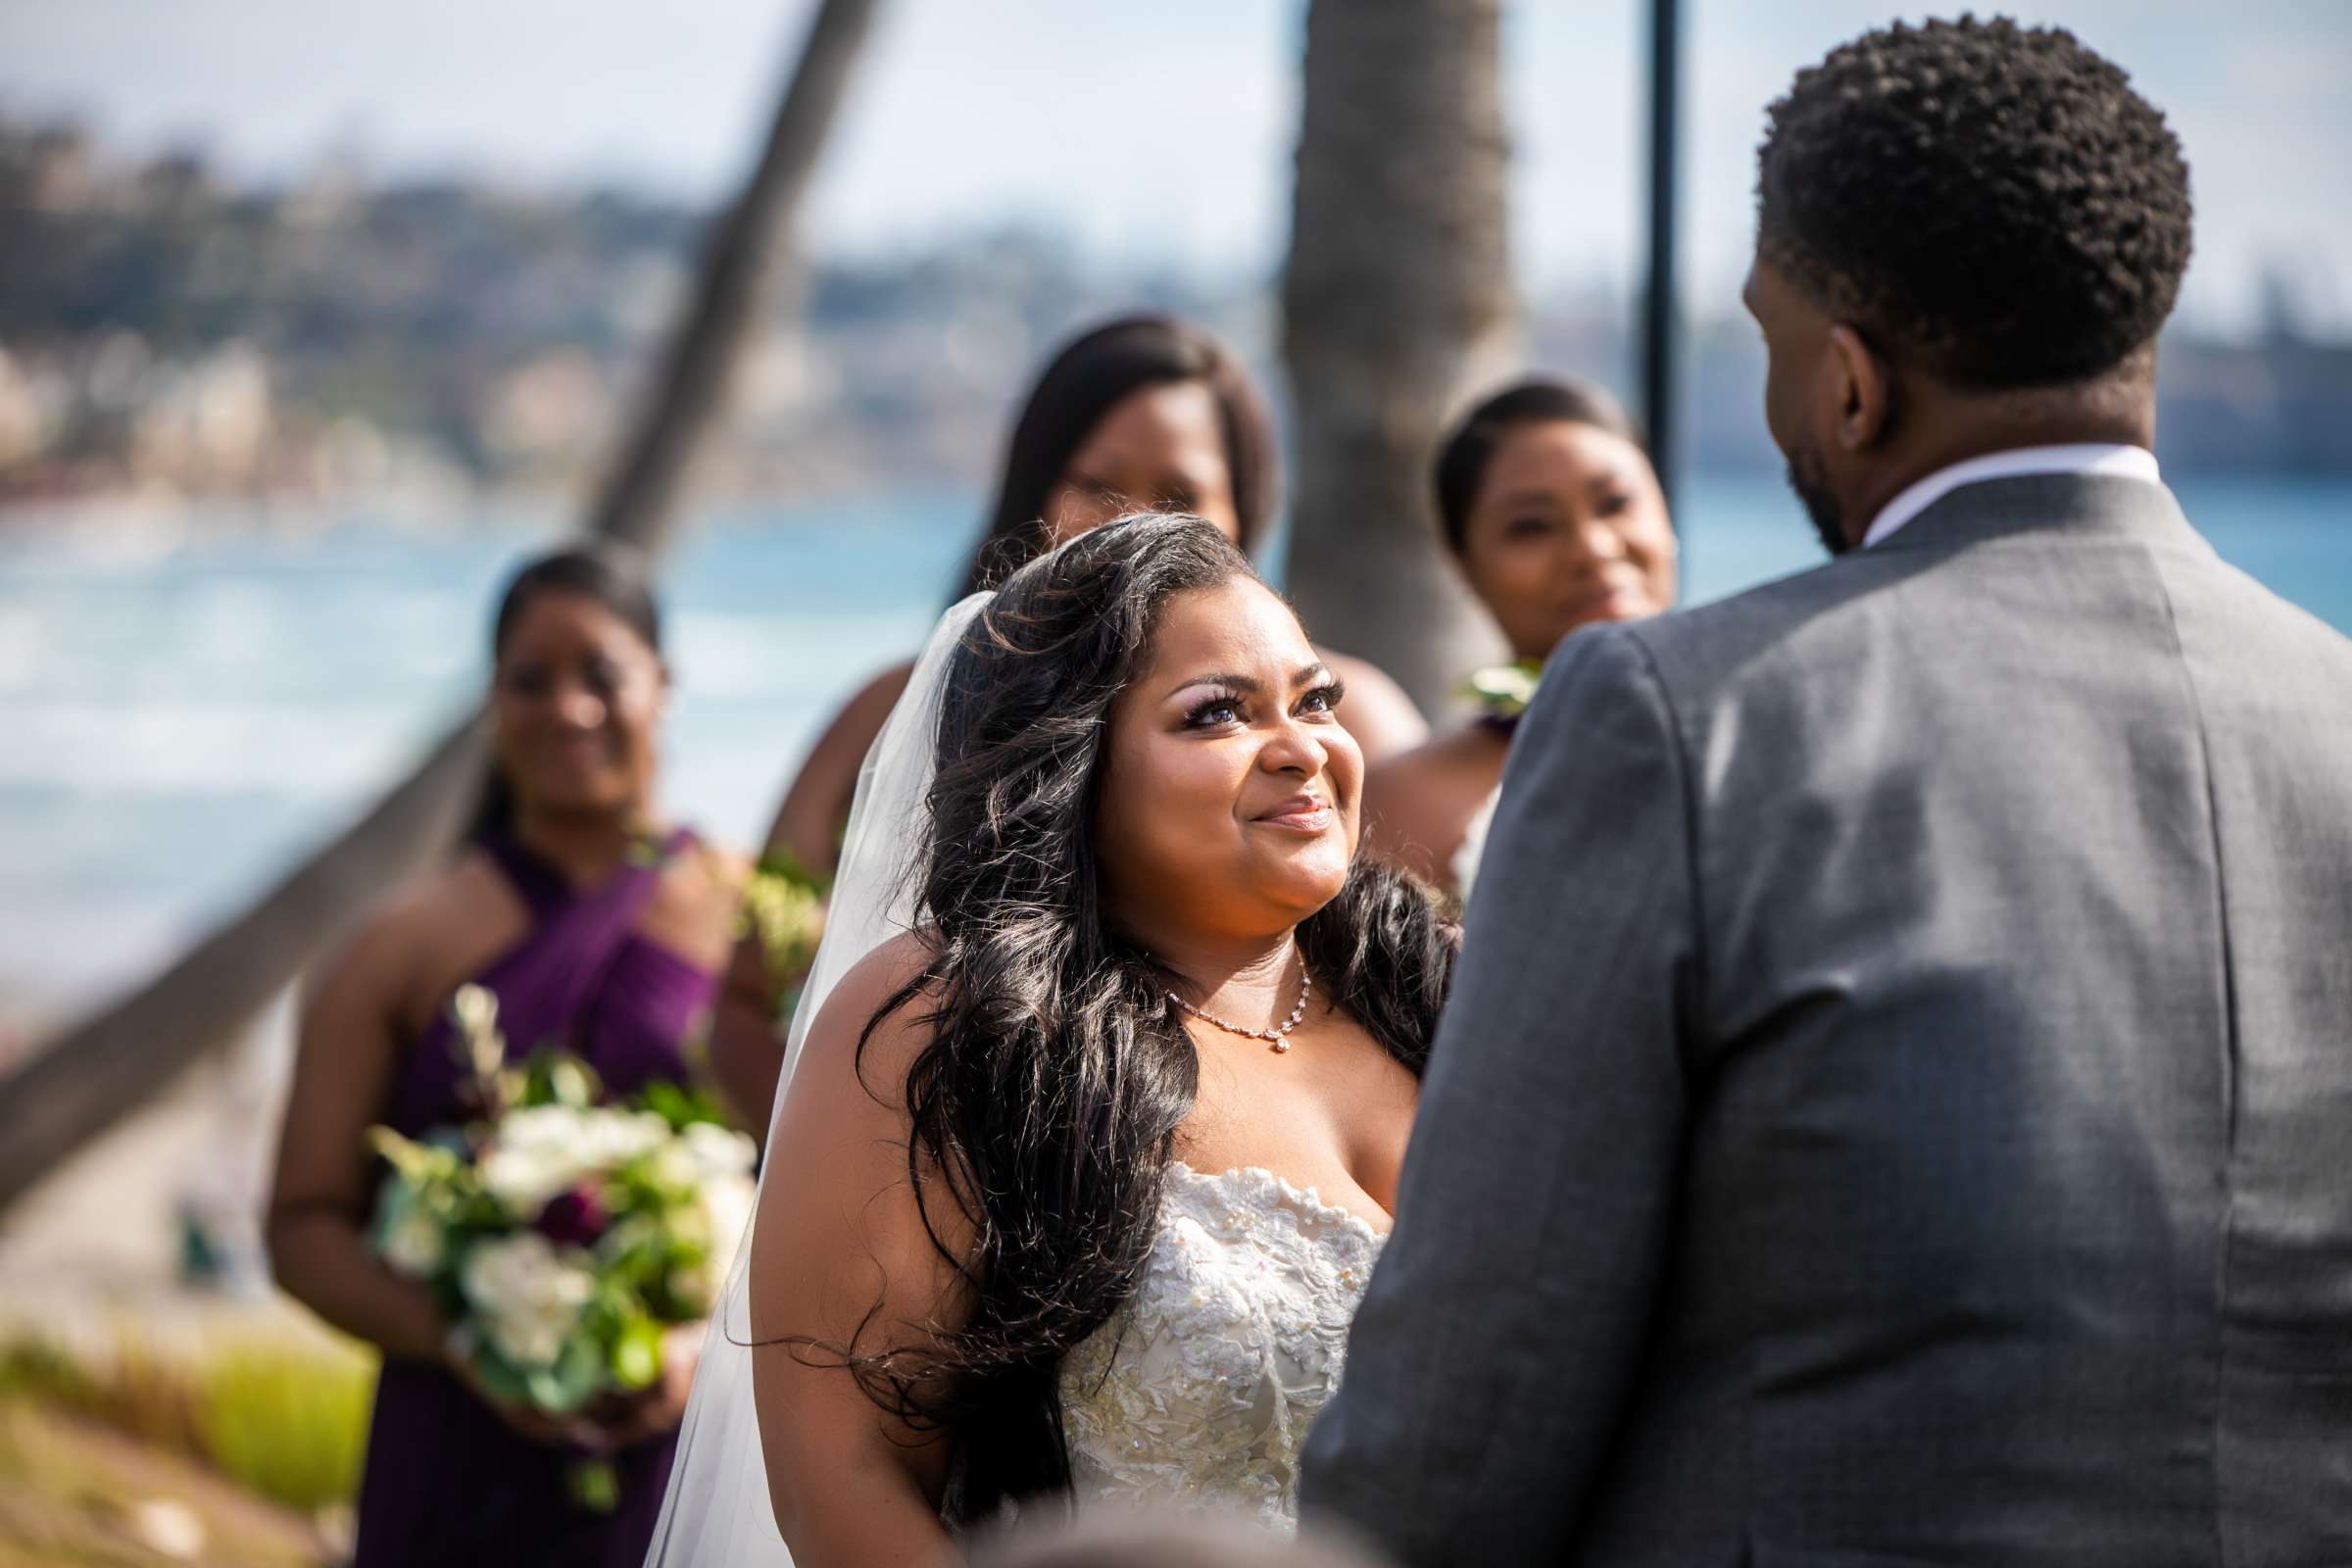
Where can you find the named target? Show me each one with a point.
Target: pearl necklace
(1279, 1037)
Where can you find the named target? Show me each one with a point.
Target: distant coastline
(433, 350)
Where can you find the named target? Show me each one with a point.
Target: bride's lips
(1300, 813)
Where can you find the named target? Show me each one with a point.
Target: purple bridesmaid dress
(447, 1482)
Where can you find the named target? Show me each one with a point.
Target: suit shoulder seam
(1679, 760)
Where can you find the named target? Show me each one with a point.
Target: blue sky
(1141, 130)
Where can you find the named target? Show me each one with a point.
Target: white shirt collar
(2091, 456)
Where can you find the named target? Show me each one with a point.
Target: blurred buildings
(162, 333)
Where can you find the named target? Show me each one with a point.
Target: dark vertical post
(1660, 340)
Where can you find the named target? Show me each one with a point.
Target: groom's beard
(1812, 489)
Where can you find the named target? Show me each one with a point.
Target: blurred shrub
(291, 1427)
(284, 1416)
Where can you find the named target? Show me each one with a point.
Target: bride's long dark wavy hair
(1046, 1104)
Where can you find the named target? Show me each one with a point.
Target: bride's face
(1229, 794)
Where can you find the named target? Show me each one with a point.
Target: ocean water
(183, 717)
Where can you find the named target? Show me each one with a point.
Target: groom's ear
(1861, 391)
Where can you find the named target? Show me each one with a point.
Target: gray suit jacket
(1896, 1103)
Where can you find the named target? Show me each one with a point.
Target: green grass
(283, 1416)
(292, 1428)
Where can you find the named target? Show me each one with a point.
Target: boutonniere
(1503, 691)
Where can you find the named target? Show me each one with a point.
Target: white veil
(716, 1511)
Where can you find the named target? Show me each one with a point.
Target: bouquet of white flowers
(563, 1233)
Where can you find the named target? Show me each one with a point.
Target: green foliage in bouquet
(563, 1232)
(682, 1105)
(784, 907)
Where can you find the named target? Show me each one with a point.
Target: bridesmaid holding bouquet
(598, 928)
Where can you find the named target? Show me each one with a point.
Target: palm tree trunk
(1396, 307)
(102, 1069)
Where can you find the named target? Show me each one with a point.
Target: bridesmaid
(1143, 413)
(1553, 513)
(598, 927)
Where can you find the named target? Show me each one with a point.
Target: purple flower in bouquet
(577, 1218)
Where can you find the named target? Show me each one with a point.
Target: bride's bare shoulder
(852, 1036)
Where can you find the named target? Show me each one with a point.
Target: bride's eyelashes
(1221, 708)
(1216, 711)
(1326, 696)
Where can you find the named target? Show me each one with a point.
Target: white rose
(528, 1295)
(608, 1136)
(728, 1205)
(703, 1152)
(718, 1150)
(673, 1167)
(524, 1179)
(533, 1156)
(414, 1244)
(547, 1149)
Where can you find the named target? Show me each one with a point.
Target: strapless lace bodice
(1198, 1393)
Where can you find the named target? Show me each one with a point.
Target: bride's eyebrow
(1250, 685)
(1247, 685)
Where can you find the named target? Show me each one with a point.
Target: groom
(1896, 1103)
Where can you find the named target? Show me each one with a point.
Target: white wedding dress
(1198, 1393)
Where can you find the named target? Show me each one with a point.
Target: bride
(1099, 1090)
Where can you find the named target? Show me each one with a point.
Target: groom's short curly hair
(1991, 204)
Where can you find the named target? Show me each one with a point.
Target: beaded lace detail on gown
(1198, 1393)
